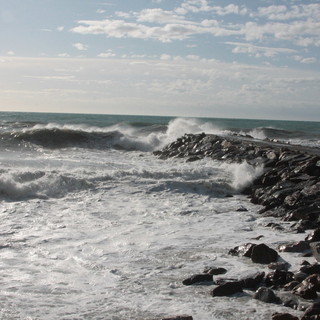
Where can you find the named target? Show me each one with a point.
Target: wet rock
(283, 316)
(279, 266)
(266, 295)
(291, 285)
(252, 282)
(312, 313)
(308, 288)
(315, 249)
(300, 276)
(261, 253)
(278, 278)
(243, 250)
(311, 269)
(215, 271)
(314, 236)
(182, 317)
(227, 289)
(198, 278)
(300, 246)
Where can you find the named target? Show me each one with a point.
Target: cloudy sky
(214, 58)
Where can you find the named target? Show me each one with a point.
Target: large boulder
(261, 253)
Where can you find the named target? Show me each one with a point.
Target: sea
(95, 226)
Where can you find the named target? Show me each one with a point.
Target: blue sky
(247, 59)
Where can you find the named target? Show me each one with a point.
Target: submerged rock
(198, 278)
(227, 289)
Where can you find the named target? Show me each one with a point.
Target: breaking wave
(129, 137)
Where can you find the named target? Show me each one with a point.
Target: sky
(197, 58)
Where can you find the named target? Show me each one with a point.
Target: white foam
(121, 249)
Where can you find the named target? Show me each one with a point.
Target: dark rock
(194, 158)
(283, 316)
(266, 295)
(278, 278)
(215, 271)
(308, 288)
(227, 289)
(289, 300)
(295, 247)
(263, 254)
(243, 250)
(279, 266)
(291, 285)
(314, 236)
(315, 248)
(182, 317)
(252, 282)
(198, 278)
(242, 209)
(311, 269)
(312, 313)
(300, 276)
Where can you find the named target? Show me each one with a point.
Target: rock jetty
(288, 189)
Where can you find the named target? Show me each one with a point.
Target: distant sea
(94, 226)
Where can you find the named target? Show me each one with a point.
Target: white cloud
(108, 54)
(305, 60)
(159, 16)
(61, 28)
(282, 12)
(80, 46)
(165, 57)
(258, 51)
(11, 53)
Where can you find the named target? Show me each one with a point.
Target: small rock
(291, 285)
(311, 269)
(227, 289)
(182, 317)
(266, 295)
(252, 282)
(283, 316)
(315, 248)
(278, 278)
(198, 278)
(279, 266)
(308, 288)
(243, 250)
(312, 312)
(215, 271)
(300, 246)
(314, 236)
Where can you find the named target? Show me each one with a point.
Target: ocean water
(94, 226)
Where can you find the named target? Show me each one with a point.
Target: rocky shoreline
(289, 190)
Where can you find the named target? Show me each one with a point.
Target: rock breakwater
(289, 187)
